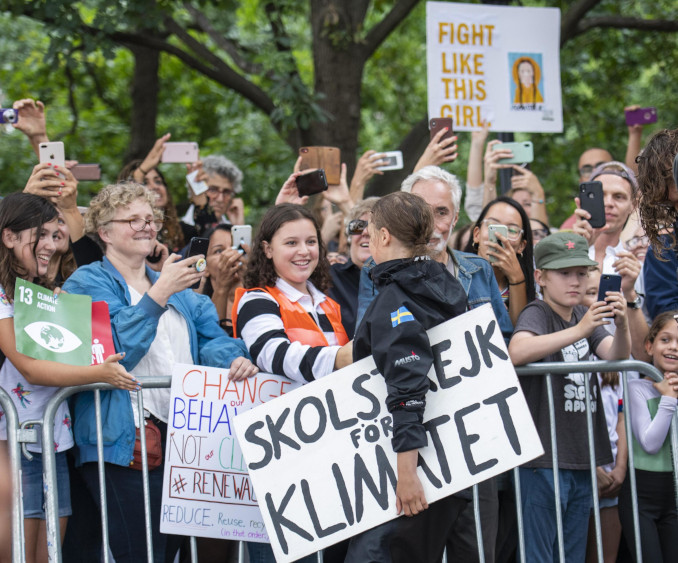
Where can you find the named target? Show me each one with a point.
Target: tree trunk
(145, 89)
(339, 62)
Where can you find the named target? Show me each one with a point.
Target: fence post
(14, 451)
(592, 463)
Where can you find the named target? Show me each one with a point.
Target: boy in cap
(560, 329)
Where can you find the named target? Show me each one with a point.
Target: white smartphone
(180, 152)
(196, 187)
(241, 234)
(492, 231)
(52, 153)
(394, 160)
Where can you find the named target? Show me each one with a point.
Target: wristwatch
(637, 303)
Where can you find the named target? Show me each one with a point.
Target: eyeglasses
(356, 227)
(635, 242)
(139, 225)
(514, 231)
(538, 234)
(215, 192)
(585, 171)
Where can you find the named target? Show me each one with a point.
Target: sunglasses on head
(356, 227)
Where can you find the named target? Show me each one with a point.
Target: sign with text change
(494, 64)
(49, 327)
(206, 489)
(321, 459)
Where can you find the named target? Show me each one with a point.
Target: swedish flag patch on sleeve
(402, 315)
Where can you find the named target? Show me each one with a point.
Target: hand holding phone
(311, 183)
(393, 160)
(198, 245)
(180, 153)
(523, 152)
(196, 187)
(492, 235)
(591, 200)
(608, 282)
(327, 158)
(241, 235)
(437, 124)
(640, 116)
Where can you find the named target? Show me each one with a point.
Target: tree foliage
(255, 80)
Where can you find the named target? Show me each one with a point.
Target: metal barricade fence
(535, 370)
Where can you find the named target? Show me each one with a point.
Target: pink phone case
(180, 152)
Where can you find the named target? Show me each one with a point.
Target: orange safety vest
(299, 326)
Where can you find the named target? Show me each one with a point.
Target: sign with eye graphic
(52, 328)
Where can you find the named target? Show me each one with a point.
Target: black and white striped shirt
(260, 326)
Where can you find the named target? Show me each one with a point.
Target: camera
(9, 115)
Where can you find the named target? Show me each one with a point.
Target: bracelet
(517, 283)
(140, 169)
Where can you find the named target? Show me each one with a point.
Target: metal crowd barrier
(16, 435)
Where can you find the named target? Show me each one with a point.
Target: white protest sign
(321, 459)
(206, 488)
(496, 64)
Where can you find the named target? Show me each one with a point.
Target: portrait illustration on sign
(527, 84)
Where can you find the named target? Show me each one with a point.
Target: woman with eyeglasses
(157, 321)
(346, 277)
(540, 230)
(510, 256)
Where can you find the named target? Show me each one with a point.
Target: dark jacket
(414, 296)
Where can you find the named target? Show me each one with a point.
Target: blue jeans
(539, 513)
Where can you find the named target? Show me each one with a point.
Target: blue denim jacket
(134, 328)
(471, 268)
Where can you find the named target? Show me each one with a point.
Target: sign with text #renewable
(495, 64)
(206, 489)
(321, 459)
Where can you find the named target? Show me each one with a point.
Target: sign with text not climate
(49, 327)
(321, 461)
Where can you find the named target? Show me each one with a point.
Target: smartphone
(196, 187)
(312, 182)
(86, 172)
(608, 282)
(641, 116)
(52, 153)
(198, 245)
(591, 199)
(8, 115)
(394, 160)
(438, 123)
(241, 234)
(523, 152)
(180, 152)
(327, 158)
(493, 230)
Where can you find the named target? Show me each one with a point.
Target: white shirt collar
(293, 294)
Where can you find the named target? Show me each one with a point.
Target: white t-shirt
(612, 399)
(172, 344)
(30, 400)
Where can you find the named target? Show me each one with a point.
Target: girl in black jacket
(415, 294)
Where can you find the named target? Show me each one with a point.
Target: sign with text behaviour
(495, 64)
(52, 328)
(206, 489)
(321, 459)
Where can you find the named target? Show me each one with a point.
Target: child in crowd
(611, 476)
(560, 329)
(652, 406)
(29, 229)
(415, 294)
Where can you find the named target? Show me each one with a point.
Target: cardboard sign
(321, 459)
(102, 337)
(494, 64)
(52, 328)
(206, 489)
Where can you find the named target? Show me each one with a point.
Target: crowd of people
(315, 292)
